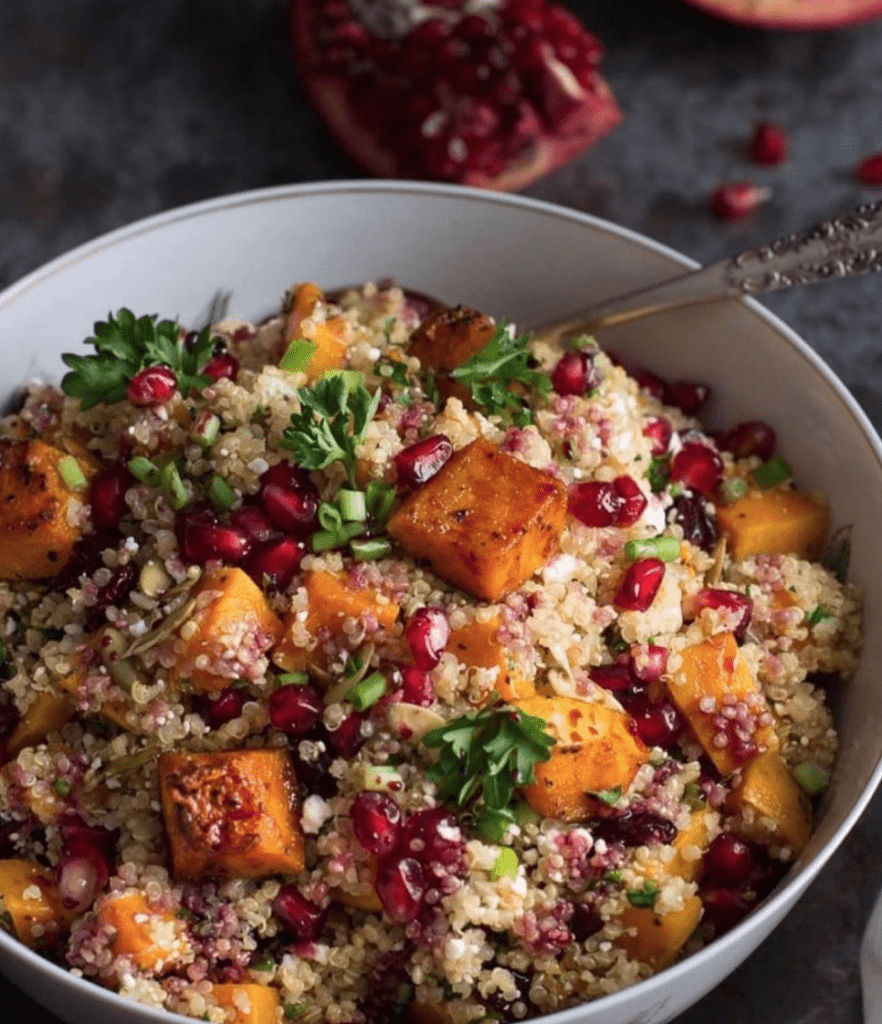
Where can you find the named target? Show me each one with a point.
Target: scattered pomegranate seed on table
(736, 200)
(869, 170)
(769, 144)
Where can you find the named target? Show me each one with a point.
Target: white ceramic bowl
(525, 261)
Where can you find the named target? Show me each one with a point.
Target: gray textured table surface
(113, 111)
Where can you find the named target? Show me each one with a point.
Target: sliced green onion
(326, 540)
(143, 469)
(352, 506)
(370, 548)
(817, 615)
(811, 778)
(505, 865)
(264, 963)
(771, 473)
(665, 548)
(170, 476)
(206, 429)
(70, 472)
(298, 355)
(61, 787)
(294, 1011)
(293, 679)
(732, 489)
(221, 494)
(329, 517)
(380, 497)
(367, 691)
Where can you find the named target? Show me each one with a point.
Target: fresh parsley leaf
(608, 796)
(332, 422)
(645, 896)
(392, 370)
(817, 615)
(126, 344)
(489, 374)
(487, 755)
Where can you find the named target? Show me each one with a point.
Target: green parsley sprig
(489, 374)
(483, 757)
(124, 345)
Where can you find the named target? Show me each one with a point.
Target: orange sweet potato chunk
(778, 521)
(486, 521)
(31, 900)
(48, 713)
(328, 337)
(248, 1003)
(421, 1012)
(768, 796)
(595, 751)
(711, 677)
(332, 600)
(448, 338)
(231, 814)
(654, 939)
(477, 645)
(36, 509)
(156, 940)
(236, 614)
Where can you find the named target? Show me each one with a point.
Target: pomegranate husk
(327, 93)
(793, 14)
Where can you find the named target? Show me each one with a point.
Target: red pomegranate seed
(728, 859)
(152, 386)
(299, 916)
(202, 537)
(376, 822)
(659, 431)
(426, 634)
(595, 503)
(225, 707)
(575, 374)
(698, 467)
(416, 686)
(687, 396)
(650, 382)
(738, 606)
(419, 462)
(724, 908)
(636, 828)
(83, 868)
(617, 677)
(401, 888)
(658, 724)
(649, 663)
(632, 498)
(224, 364)
(107, 496)
(274, 565)
(768, 144)
(738, 199)
(752, 437)
(290, 498)
(640, 584)
(347, 738)
(295, 709)
(869, 170)
(434, 838)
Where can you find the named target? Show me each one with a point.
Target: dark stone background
(112, 111)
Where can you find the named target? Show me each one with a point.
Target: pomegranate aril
(738, 606)
(725, 907)
(617, 677)
(649, 663)
(658, 724)
(738, 199)
(225, 707)
(80, 875)
(202, 537)
(728, 859)
(633, 501)
(376, 822)
(574, 374)
(416, 686)
(648, 381)
(419, 462)
(401, 889)
(640, 584)
(295, 709)
(347, 738)
(768, 143)
(659, 431)
(695, 516)
(107, 496)
(426, 634)
(298, 915)
(290, 498)
(222, 365)
(253, 521)
(698, 467)
(753, 437)
(869, 170)
(687, 396)
(595, 503)
(433, 836)
(275, 563)
(152, 386)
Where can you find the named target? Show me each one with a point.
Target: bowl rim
(786, 894)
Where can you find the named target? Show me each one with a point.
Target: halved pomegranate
(495, 96)
(796, 14)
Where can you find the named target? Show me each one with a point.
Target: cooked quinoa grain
(391, 670)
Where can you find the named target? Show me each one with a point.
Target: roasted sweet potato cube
(696, 836)
(115, 711)
(247, 1003)
(595, 751)
(155, 939)
(332, 600)
(485, 521)
(422, 1012)
(712, 678)
(231, 814)
(329, 337)
(47, 714)
(448, 338)
(477, 645)
(39, 520)
(656, 940)
(778, 521)
(771, 804)
(232, 613)
(30, 898)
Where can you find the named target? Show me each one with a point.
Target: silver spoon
(843, 246)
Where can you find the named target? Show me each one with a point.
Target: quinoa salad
(375, 663)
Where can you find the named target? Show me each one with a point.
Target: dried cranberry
(505, 1008)
(575, 374)
(640, 584)
(698, 467)
(107, 496)
(202, 537)
(113, 593)
(222, 365)
(419, 462)
(401, 888)
(152, 386)
(752, 437)
(426, 634)
(313, 758)
(728, 859)
(376, 822)
(86, 558)
(738, 606)
(299, 916)
(225, 707)
(295, 709)
(687, 396)
(585, 922)
(636, 828)
(696, 517)
(290, 498)
(659, 431)
(274, 564)
(768, 143)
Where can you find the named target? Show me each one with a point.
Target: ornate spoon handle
(843, 246)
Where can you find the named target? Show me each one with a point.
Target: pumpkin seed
(163, 629)
(154, 580)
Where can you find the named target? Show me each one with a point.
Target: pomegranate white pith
(793, 13)
(490, 93)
